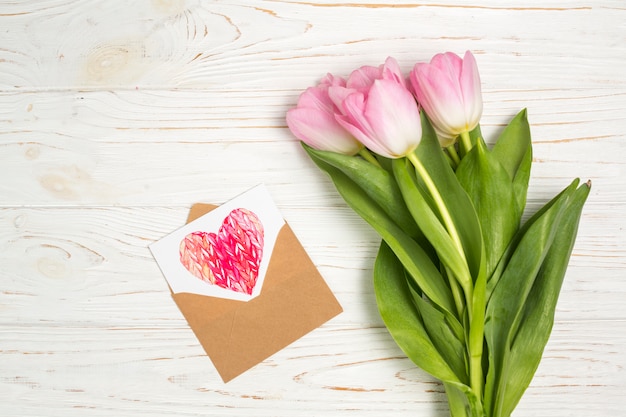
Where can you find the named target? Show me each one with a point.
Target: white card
(224, 253)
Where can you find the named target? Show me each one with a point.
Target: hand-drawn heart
(229, 259)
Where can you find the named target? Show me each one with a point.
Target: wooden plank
(141, 371)
(111, 148)
(240, 44)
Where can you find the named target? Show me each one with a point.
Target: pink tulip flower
(448, 89)
(313, 120)
(379, 110)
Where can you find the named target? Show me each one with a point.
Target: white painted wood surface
(116, 116)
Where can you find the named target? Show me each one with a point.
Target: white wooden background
(116, 116)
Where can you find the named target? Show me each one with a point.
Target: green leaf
(463, 401)
(489, 187)
(538, 314)
(518, 236)
(439, 327)
(377, 183)
(475, 134)
(514, 151)
(402, 318)
(385, 163)
(520, 182)
(414, 258)
(455, 198)
(506, 305)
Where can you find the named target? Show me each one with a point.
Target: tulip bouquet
(466, 289)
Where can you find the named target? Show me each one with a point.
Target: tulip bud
(313, 120)
(379, 110)
(448, 89)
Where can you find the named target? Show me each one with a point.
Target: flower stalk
(464, 281)
(367, 155)
(466, 142)
(454, 156)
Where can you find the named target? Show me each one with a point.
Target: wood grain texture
(116, 117)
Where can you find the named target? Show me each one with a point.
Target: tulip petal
(448, 88)
(470, 87)
(320, 130)
(362, 79)
(441, 98)
(391, 71)
(353, 119)
(331, 80)
(337, 95)
(315, 98)
(393, 114)
(450, 64)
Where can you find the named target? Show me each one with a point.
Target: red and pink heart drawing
(230, 258)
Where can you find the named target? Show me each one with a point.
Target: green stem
(474, 302)
(367, 155)
(443, 210)
(453, 154)
(476, 337)
(466, 142)
(456, 293)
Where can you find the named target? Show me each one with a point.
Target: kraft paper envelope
(294, 300)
